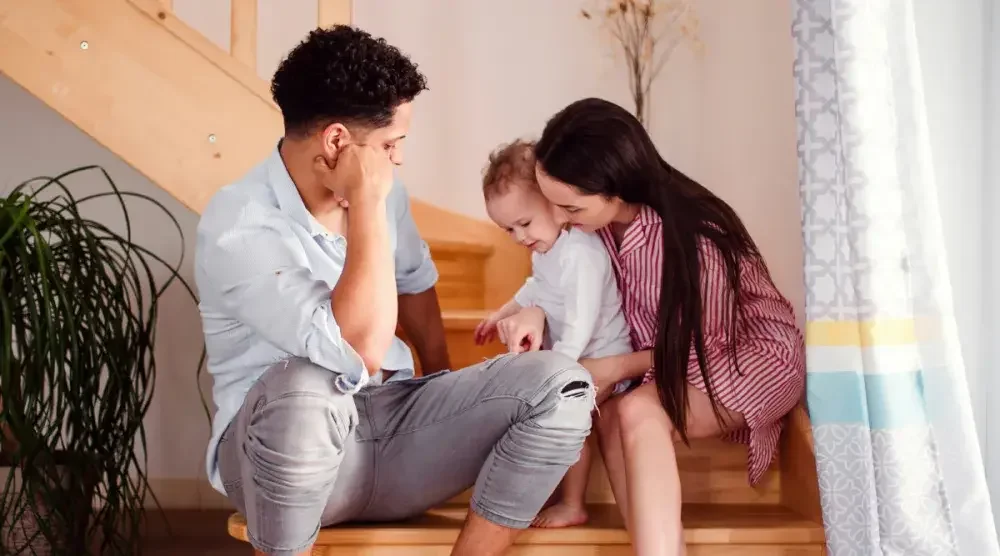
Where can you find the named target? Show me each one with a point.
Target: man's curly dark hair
(343, 74)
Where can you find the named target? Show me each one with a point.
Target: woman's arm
(608, 371)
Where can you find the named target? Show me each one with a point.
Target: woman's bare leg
(613, 427)
(653, 481)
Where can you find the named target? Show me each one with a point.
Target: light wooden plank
(243, 32)
(506, 269)
(197, 532)
(799, 480)
(704, 524)
(192, 39)
(150, 98)
(333, 12)
(712, 471)
(577, 550)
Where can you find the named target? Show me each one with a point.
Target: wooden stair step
(712, 471)
(458, 327)
(461, 273)
(728, 529)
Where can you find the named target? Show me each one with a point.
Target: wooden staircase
(192, 117)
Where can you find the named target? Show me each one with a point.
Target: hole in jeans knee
(575, 389)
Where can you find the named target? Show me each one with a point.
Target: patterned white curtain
(899, 462)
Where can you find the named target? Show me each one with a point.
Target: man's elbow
(371, 348)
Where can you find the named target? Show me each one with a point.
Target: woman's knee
(638, 406)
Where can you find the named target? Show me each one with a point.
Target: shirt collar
(644, 224)
(289, 200)
(640, 231)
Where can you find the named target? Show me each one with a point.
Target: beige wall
(497, 70)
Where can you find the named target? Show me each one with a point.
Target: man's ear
(335, 137)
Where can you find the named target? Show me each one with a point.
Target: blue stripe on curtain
(881, 401)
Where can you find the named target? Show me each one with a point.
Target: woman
(718, 352)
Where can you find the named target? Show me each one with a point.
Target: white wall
(497, 70)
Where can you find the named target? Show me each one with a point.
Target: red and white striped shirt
(769, 348)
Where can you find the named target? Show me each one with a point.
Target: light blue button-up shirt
(265, 268)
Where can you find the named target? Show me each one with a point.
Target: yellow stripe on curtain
(881, 332)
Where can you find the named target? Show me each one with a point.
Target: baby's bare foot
(561, 515)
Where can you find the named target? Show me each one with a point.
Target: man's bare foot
(561, 515)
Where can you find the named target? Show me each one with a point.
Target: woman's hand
(522, 331)
(606, 372)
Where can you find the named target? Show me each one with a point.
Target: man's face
(389, 138)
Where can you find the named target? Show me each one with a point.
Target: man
(303, 267)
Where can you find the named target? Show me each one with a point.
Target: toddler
(572, 282)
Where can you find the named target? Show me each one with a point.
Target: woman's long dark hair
(601, 149)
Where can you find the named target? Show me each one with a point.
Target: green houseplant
(78, 307)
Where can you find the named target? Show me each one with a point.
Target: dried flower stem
(634, 24)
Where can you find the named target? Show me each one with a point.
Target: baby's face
(526, 216)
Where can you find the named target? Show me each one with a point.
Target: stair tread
(463, 319)
(703, 524)
(458, 247)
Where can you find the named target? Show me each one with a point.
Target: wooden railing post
(243, 32)
(333, 12)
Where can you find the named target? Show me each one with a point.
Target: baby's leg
(570, 509)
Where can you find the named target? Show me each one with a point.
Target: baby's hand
(523, 331)
(486, 331)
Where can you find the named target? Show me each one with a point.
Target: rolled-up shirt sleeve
(415, 271)
(263, 279)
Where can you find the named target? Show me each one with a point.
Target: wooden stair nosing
(704, 524)
(445, 247)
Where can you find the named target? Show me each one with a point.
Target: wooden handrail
(243, 32)
(332, 12)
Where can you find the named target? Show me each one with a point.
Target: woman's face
(587, 212)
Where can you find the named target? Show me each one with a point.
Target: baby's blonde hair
(510, 164)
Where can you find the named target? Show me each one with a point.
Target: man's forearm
(420, 318)
(364, 299)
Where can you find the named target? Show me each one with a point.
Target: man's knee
(542, 374)
(299, 425)
(563, 391)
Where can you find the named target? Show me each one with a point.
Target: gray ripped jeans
(300, 454)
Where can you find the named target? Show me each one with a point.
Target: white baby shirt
(574, 284)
